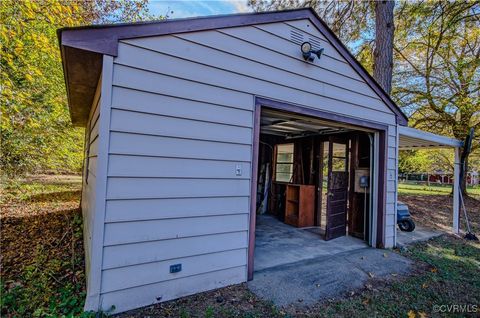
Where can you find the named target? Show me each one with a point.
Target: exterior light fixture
(308, 53)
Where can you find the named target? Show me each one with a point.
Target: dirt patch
(233, 301)
(435, 211)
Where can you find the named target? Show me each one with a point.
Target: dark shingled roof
(82, 49)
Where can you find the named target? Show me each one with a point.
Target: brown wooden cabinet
(299, 205)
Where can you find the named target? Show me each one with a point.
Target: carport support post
(456, 190)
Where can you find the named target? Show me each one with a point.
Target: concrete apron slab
(419, 234)
(307, 282)
(277, 244)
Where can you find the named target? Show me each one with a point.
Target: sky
(190, 8)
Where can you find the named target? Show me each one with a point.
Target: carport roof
(411, 138)
(82, 49)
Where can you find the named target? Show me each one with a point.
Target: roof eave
(98, 40)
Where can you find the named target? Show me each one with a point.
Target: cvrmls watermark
(456, 308)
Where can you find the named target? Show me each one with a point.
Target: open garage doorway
(314, 195)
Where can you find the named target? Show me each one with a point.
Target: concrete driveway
(307, 282)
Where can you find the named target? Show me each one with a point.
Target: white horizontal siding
(144, 145)
(89, 181)
(154, 209)
(152, 66)
(134, 122)
(250, 49)
(281, 31)
(154, 251)
(138, 275)
(154, 293)
(226, 68)
(162, 105)
(128, 77)
(152, 230)
(135, 166)
(154, 188)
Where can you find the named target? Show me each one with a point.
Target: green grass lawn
(404, 188)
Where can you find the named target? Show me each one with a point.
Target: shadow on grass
(42, 264)
(60, 196)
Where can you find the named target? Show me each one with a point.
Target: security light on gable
(308, 53)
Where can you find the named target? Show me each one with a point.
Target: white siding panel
(392, 152)
(390, 196)
(180, 49)
(138, 275)
(331, 58)
(131, 210)
(162, 84)
(154, 293)
(163, 105)
(92, 165)
(389, 241)
(124, 143)
(390, 208)
(261, 54)
(276, 43)
(127, 121)
(138, 253)
(392, 140)
(89, 182)
(389, 231)
(167, 65)
(134, 166)
(143, 231)
(391, 164)
(93, 147)
(147, 188)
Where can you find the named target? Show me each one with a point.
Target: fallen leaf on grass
(411, 314)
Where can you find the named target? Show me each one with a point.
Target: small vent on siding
(296, 37)
(316, 44)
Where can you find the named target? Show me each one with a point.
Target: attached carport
(415, 139)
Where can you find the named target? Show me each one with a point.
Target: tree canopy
(36, 132)
(436, 76)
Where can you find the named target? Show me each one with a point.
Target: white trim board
(411, 138)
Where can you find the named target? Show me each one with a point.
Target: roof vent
(296, 37)
(316, 44)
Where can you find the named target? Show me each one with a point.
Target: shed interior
(313, 175)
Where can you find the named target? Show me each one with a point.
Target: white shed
(195, 128)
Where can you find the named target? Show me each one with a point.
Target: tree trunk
(383, 56)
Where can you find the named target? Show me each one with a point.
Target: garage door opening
(314, 195)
